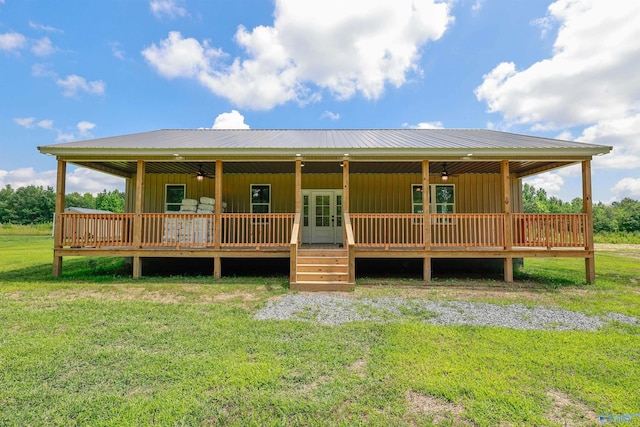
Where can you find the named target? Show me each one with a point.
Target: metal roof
(321, 139)
(371, 150)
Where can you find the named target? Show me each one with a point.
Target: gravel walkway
(333, 310)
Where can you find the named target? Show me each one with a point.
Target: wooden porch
(325, 266)
(426, 235)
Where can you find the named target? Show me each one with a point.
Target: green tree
(77, 200)
(110, 201)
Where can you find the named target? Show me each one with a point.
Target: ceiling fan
(201, 174)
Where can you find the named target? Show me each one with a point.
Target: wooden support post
(137, 267)
(426, 221)
(508, 225)
(426, 269)
(217, 225)
(217, 267)
(508, 270)
(298, 186)
(587, 208)
(137, 222)
(345, 186)
(58, 227)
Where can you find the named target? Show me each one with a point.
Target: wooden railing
(467, 230)
(549, 230)
(256, 230)
(350, 241)
(294, 243)
(177, 230)
(95, 230)
(387, 230)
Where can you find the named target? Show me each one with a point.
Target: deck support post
(61, 180)
(217, 220)
(137, 267)
(137, 221)
(508, 224)
(426, 221)
(587, 208)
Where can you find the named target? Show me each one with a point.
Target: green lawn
(98, 348)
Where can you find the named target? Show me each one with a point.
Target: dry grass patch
(568, 413)
(440, 410)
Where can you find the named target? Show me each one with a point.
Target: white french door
(322, 216)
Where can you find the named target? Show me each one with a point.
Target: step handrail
(294, 243)
(351, 245)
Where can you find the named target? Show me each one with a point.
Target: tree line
(622, 216)
(36, 205)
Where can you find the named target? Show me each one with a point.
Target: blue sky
(78, 70)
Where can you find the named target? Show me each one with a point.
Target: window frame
(166, 203)
(433, 206)
(268, 204)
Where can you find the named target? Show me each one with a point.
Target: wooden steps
(322, 270)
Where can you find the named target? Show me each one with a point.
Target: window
(260, 198)
(339, 210)
(173, 195)
(416, 198)
(441, 198)
(305, 210)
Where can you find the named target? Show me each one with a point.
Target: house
(325, 198)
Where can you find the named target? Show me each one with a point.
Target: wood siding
(369, 193)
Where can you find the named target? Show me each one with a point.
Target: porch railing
(256, 230)
(549, 230)
(384, 231)
(387, 230)
(95, 230)
(467, 230)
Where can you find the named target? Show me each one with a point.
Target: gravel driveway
(335, 310)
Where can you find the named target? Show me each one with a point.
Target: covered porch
(368, 227)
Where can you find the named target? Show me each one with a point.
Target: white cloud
(116, 50)
(231, 120)
(12, 41)
(551, 182)
(627, 187)
(167, 9)
(25, 122)
(64, 136)
(80, 179)
(73, 84)
(338, 46)
(590, 77)
(429, 125)
(45, 124)
(43, 47)
(331, 116)
(622, 135)
(43, 70)
(477, 5)
(42, 27)
(85, 128)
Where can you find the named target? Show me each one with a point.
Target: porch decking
(389, 235)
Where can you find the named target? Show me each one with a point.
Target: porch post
(137, 222)
(217, 221)
(61, 180)
(345, 186)
(298, 184)
(426, 221)
(508, 226)
(587, 208)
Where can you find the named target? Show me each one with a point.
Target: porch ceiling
(517, 168)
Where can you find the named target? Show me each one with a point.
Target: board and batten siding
(369, 193)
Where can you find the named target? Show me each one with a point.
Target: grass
(98, 348)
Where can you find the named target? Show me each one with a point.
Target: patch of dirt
(438, 409)
(359, 368)
(308, 387)
(568, 413)
(245, 296)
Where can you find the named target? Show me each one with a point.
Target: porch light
(200, 177)
(444, 175)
